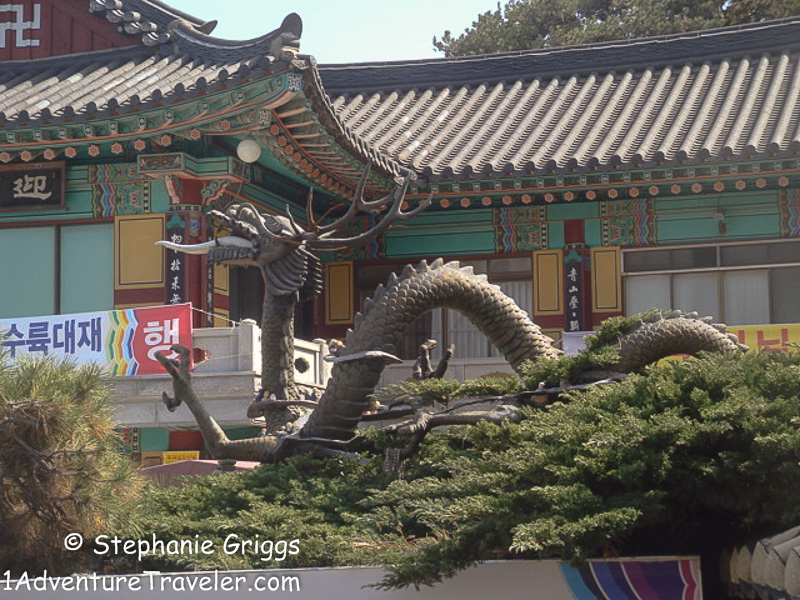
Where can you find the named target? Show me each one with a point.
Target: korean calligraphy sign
(176, 267)
(123, 341)
(37, 186)
(573, 289)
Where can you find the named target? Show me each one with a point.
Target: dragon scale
(277, 345)
(677, 333)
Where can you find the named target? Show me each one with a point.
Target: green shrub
(684, 458)
(61, 469)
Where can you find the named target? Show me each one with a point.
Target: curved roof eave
(116, 83)
(149, 18)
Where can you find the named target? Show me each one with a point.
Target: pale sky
(347, 30)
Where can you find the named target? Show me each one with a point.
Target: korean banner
(173, 457)
(768, 338)
(123, 341)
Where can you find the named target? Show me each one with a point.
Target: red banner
(159, 328)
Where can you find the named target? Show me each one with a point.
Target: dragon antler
(320, 236)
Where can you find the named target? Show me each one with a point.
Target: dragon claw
(171, 403)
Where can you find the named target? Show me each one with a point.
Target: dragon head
(263, 240)
(282, 249)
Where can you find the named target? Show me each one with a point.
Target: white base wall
(509, 579)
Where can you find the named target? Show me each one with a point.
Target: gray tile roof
(105, 85)
(92, 84)
(712, 95)
(768, 568)
(50, 91)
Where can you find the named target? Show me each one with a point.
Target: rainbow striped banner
(122, 341)
(635, 579)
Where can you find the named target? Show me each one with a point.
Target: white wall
(508, 579)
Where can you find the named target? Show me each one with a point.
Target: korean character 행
(161, 335)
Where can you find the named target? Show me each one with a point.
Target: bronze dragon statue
(284, 252)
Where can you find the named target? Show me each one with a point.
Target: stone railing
(460, 369)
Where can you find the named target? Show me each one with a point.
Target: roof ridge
(730, 29)
(280, 44)
(152, 19)
(616, 55)
(76, 57)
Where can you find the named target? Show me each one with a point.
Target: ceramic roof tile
(714, 94)
(149, 18)
(41, 89)
(105, 84)
(50, 88)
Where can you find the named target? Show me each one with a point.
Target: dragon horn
(205, 247)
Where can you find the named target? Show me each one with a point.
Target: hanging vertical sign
(573, 288)
(176, 261)
(210, 295)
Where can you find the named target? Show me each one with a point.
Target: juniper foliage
(684, 458)
(531, 24)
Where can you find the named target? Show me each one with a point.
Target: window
(740, 284)
(35, 281)
(647, 291)
(746, 296)
(670, 259)
(87, 271)
(696, 291)
(27, 272)
(784, 289)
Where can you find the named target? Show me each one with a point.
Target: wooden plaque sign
(37, 186)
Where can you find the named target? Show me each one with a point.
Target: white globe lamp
(248, 150)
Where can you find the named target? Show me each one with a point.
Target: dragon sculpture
(284, 252)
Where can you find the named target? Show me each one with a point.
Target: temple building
(587, 181)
